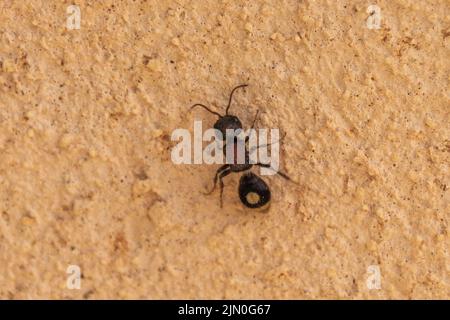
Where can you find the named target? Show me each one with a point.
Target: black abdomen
(253, 191)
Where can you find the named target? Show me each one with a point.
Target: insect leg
(219, 171)
(223, 174)
(284, 175)
(253, 126)
(267, 144)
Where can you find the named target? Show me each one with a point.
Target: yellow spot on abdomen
(252, 197)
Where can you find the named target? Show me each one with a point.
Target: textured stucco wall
(85, 172)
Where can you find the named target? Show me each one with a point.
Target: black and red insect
(253, 190)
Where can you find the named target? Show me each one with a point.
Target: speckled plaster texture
(86, 176)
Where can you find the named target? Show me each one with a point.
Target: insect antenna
(231, 96)
(282, 174)
(206, 108)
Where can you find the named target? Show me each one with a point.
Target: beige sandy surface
(86, 177)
